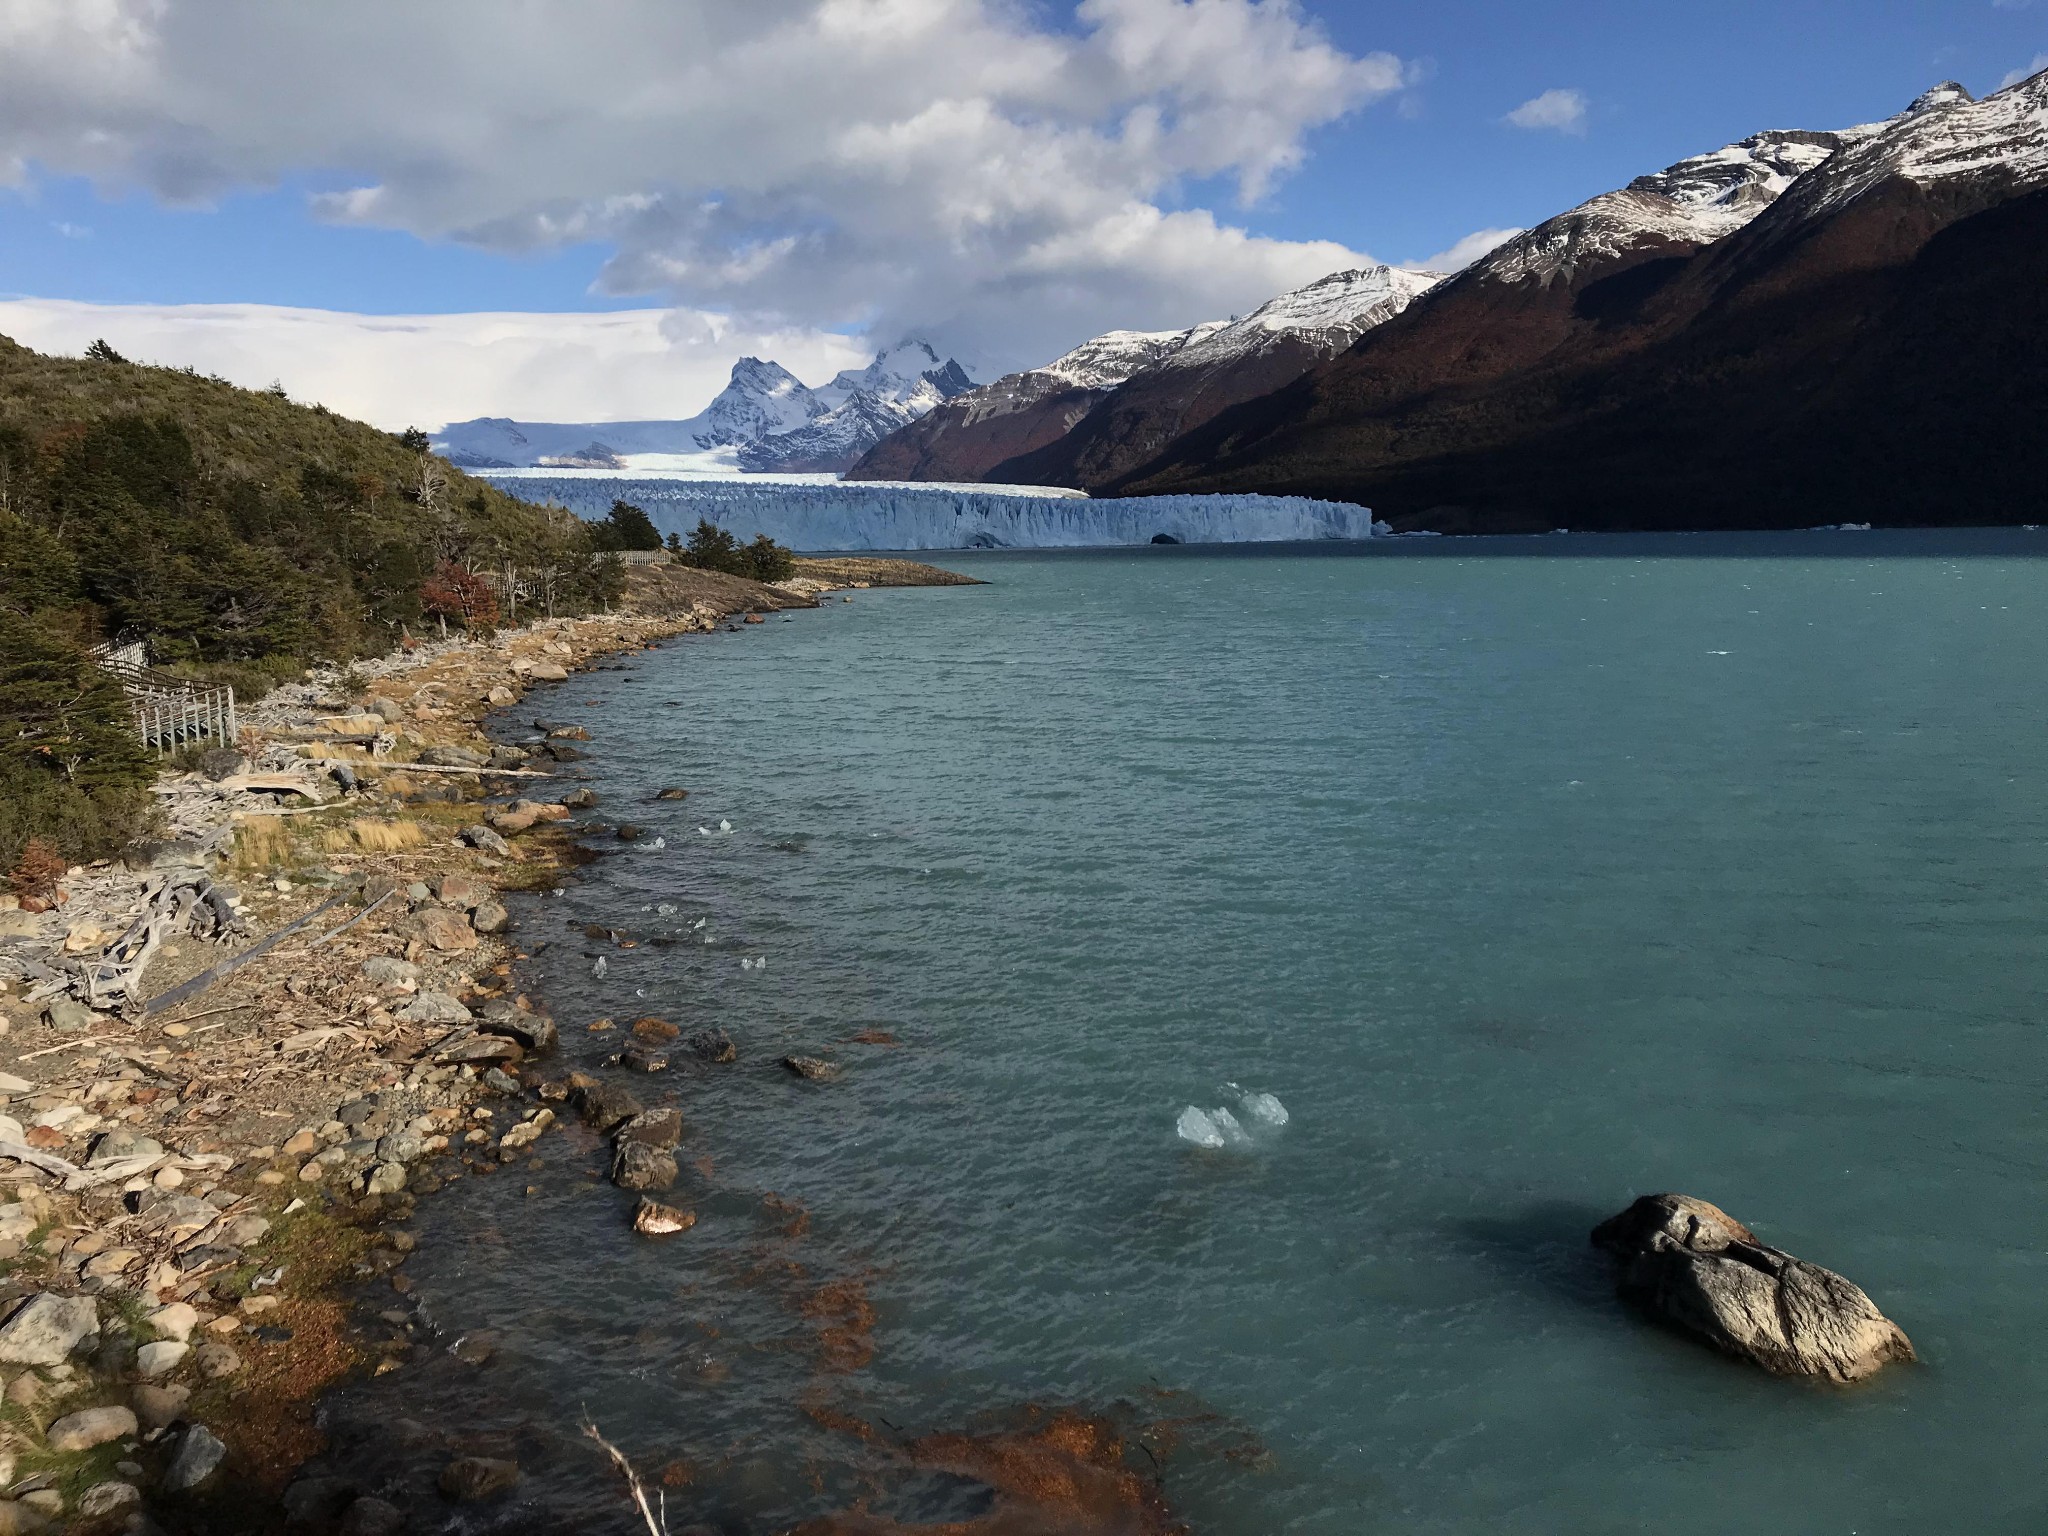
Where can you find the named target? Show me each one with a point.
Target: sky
(587, 211)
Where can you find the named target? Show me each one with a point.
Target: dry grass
(262, 842)
(367, 834)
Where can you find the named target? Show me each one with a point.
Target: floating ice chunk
(1263, 1108)
(1211, 1128)
(699, 924)
(753, 962)
(724, 825)
(666, 909)
(659, 842)
(600, 967)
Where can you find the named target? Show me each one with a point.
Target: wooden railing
(170, 712)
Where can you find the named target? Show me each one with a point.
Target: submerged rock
(811, 1068)
(1692, 1265)
(714, 1045)
(477, 1477)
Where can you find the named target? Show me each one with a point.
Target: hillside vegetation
(242, 536)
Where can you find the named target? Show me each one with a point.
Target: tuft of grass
(367, 834)
(262, 842)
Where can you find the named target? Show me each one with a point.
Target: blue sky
(1398, 116)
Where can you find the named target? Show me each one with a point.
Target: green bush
(711, 548)
(71, 768)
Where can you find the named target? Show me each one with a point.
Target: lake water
(1527, 875)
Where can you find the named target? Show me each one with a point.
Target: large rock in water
(1693, 1265)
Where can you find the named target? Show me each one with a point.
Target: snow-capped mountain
(1218, 366)
(858, 409)
(760, 400)
(1799, 329)
(970, 434)
(770, 417)
(1105, 406)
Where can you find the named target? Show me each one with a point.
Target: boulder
(606, 1106)
(1693, 1266)
(484, 840)
(103, 1499)
(372, 1517)
(811, 1068)
(445, 930)
(656, 1031)
(216, 1360)
(159, 1406)
(672, 793)
(318, 1500)
(199, 1453)
(478, 1050)
(660, 1128)
(177, 1320)
(434, 1008)
(19, 1519)
(88, 1427)
(490, 917)
(160, 1358)
(714, 1045)
(120, 1143)
(454, 757)
(535, 1031)
(478, 1477)
(47, 1328)
(386, 971)
(653, 1219)
(639, 1058)
(548, 672)
(638, 1166)
(463, 892)
(69, 1016)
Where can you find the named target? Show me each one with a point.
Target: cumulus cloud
(1561, 111)
(2040, 62)
(426, 370)
(1462, 253)
(984, 172)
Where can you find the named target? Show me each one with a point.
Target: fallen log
(206, 978)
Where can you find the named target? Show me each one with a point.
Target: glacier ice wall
(858, 517)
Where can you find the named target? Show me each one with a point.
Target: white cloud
(1462, 253)
(1561, 110)
(975, 170)
(71, 231)
(426, 370)
(2040, 62)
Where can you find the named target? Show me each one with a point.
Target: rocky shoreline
(204, 1176)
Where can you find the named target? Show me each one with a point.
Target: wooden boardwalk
(170, 712)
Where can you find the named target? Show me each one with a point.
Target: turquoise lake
(1527, 875)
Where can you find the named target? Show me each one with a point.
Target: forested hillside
(242, 536)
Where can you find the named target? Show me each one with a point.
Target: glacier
(858, 516)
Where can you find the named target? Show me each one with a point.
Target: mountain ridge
(769, 417)
(1751, 380)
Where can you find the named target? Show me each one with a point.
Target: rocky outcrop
(1692, 1265)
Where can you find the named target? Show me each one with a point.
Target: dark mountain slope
(1867, 349)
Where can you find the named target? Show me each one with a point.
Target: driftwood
(226, 968)
(185, 901)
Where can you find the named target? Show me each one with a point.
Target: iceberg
(855, 516)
